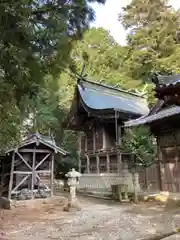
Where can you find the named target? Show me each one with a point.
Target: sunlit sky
(107, 17)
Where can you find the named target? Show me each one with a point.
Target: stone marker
(5, 203)
(73, 181)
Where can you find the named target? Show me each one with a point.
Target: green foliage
(41, 43)
(36, 40)
(139, 142)
(104, 62)
(105, 58)
(152, 26)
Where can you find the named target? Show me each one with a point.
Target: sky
(107, 17)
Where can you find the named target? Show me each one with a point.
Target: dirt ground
(97, 220)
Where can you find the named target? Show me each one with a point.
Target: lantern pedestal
(73, 180)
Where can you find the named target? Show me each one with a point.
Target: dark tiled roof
(165, 113)
(168, 80)
(156, 114)
(101, 97)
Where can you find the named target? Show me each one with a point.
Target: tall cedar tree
(152, 26)
(36, 39)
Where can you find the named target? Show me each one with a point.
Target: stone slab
(35, 203)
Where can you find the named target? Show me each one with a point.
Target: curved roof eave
(116, 103)
(110, 111)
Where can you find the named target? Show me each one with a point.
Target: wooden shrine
(30, 162)
(97, 114)
(163, 120)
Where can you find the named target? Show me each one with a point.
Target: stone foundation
(101, 183)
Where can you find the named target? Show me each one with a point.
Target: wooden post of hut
(30, 161)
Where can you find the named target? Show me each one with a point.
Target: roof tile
(99, 97)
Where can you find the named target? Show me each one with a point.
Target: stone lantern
(73, 181)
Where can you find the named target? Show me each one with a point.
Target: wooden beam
(41, 162)
(27, 164)
(37, 142)
(21, 182)
(33, 174)
(38, 177)
(35, 190)
(28, 150)
(11, 176)
(43, 171)
(23, 172)
(52, 174)
(29, 173)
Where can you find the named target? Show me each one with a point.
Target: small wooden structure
(163, 120)
(97, 115)
(31, 160)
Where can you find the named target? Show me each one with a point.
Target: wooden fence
(149, 178)
(161, 176)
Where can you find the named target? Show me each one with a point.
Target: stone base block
(72, 206)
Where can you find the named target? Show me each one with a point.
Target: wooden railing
(114, 161)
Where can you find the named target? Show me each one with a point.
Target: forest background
(42, 41)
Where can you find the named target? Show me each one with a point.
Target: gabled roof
(98, 97)
(37, 138)
(167, 80)
(158, 112)
(164, 113)
(165, 85)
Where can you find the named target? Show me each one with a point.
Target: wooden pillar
(79, 164)
(116, 127)
(52, 174)
(87, 163)
(107, 163)
(104, 138)
(86, 146)
(11, 176)
(119, 134)
(94, 140)
(119, 162)
(176, 147)
(80, 140)
(161, 167)
(97, 164)
(33, 179)
(79, 152)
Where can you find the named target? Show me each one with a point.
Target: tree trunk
(134, 186)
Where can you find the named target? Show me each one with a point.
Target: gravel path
(98, 220)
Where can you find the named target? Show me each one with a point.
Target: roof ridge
(113, 88)
(166, 79)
